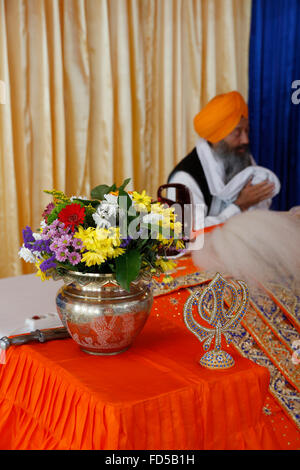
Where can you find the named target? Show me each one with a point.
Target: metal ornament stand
(210, 303)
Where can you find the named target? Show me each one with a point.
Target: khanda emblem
(216, 318)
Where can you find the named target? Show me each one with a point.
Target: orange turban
(220, 116)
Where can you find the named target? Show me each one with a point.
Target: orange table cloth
(154, 396)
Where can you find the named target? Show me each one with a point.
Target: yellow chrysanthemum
(168, 219)
(91, 258)
(100, 243)
(114, 235)
(165, 240)
(179, 244)
(166, 265)
(177, 227)
(118, 252)
(100, 234)
(142, 200)
(159, 208)
(83, 233)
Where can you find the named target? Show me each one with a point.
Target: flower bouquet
(114, 232)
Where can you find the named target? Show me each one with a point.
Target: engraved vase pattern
(102, 317)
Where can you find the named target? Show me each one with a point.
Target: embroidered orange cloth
(154, 396)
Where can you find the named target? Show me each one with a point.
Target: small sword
(40, 336)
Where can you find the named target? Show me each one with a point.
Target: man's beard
(234, 160)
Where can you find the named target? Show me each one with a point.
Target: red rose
(72, 215)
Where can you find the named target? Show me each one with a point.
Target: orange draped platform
(153, 396)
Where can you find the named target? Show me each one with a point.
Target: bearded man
(220, 172)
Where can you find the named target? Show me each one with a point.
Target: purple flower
(55, 224)
(28, 237)
(48, 210)
(55, 245)
(50, 231)
(42, 245)
(48, 264)
(77, 243)
(45, 233)
(74, 257)
(65, 240)
(62, 254)
(125, 242)
(63, 229)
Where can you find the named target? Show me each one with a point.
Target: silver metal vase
(102, 317)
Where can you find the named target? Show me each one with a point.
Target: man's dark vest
(192, 165)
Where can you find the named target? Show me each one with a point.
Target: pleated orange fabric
(154, 396)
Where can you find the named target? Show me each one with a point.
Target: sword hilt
(40, 336)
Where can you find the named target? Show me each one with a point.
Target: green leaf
(54, 214)
(99, 191)
(86, 202)
(124, 184)
(127, 268)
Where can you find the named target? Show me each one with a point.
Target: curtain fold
(102, 90)
(9, 213)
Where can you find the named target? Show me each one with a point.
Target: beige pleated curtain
(97, 91)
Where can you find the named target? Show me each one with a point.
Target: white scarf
(229, 192)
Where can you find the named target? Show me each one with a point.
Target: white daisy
(43, 225)
(37, 236)
(111, 199)
(100, 221)
(27, 255)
